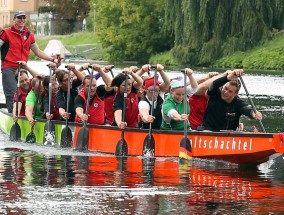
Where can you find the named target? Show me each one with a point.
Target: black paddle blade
(82, 139)
(149, 146)
(49, 133)
(121, 164)
(15, 133)
(185, 150)
(66, 138)
(31, 138)
(148, 164)
(121, 148)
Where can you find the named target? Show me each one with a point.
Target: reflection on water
(37, 183)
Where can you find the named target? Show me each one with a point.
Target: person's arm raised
(145, 68)
(166, 84)
(235, 74)
(203, 87)
(104, 76)
(138, 81)
(78, 74)
(192, 80)
(31, 70)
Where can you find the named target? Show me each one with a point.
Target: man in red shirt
(15, 43)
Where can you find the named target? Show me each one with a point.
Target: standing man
(15, 43)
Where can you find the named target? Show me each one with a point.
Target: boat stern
(279, 142)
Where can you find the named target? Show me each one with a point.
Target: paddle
(251, 103)
(185, 147)
(111, 72)
(121, 146)
(66, 134)
(49, 127)
(149, 141)
(83, 135)
(15, 132)
(31, 138)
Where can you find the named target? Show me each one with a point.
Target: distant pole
(50, 16)
(94, 17)
(84, 25)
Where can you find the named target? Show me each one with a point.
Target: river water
(46, 180)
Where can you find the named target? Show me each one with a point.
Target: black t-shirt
(220, 115)
(61, 98)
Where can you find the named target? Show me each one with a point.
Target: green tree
(206, 30)
(68, 15)
(131, 29)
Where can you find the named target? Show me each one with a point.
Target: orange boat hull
(235, 147)
(228, 146)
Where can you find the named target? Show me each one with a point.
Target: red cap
(150, 82)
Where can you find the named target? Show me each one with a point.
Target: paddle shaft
(49, 90)
(185, 106)
(35, 107)
(66, 134)
(68, 98)
(15, 132)
(111, 72)
(124, 104)
(18, 86)
(153, 102)
(251, 103)
(89, 91)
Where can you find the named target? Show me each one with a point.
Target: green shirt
(31, 101)
(167, 122)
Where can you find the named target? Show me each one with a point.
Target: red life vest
(131, 112)
(22, 98)
(109, 109)
(16, 46)
(55, 109)
(198, 105)
(96, 110)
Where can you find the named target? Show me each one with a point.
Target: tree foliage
(206, 30)
(131, 29)
(67, 14)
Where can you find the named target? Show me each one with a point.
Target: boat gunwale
(155, 131)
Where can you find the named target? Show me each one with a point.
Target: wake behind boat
(230, 146)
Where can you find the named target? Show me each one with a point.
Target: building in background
(41, 23)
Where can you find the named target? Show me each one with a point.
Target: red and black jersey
(22, 98)
(16, 46)
(131, 112)
(96, 110)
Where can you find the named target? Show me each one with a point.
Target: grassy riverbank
(269, 56)
(69, 41)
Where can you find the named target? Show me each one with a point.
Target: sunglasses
(21, 17)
